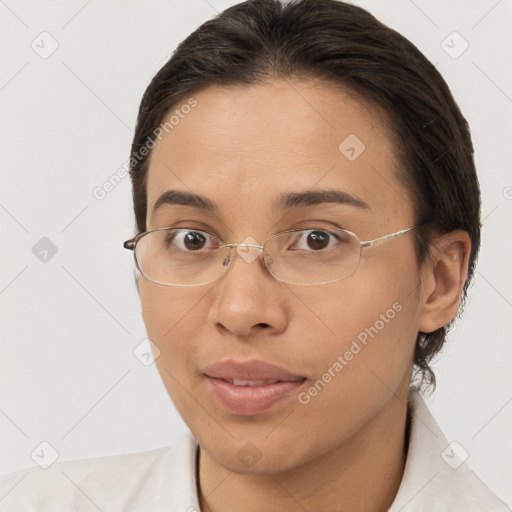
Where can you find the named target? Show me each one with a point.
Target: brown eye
(194, 240)
(314, 240)
(189, 241)
(318, 240)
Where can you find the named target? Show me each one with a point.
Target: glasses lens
(313, 256)
(181, 257)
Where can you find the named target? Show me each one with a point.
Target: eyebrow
(185, 199)
(316, 197)
(285, 202)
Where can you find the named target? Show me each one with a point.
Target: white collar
(434, 477)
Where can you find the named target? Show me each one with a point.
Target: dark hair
(327, 40)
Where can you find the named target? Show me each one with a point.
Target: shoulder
(435, 478)
(163, 478)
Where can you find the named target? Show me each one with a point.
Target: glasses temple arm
(369, 243)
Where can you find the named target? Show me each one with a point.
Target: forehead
(243, 146)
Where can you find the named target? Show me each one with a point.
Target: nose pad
(265, 257)
(267, 260)
(227, 259)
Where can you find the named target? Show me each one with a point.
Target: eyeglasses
(191, 257)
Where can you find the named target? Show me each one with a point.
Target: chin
(248, 459)
(251, 454)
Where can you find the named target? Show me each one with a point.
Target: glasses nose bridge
(259, 246)
(253, 251)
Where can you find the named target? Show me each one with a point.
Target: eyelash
(194, 225)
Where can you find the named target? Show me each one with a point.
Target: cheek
(174, 318)
(370, 325)
(365, 357)
(169, 310)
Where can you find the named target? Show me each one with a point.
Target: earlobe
(442, 286)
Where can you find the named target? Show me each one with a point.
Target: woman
(307, 224)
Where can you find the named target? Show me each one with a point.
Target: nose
(251, 299)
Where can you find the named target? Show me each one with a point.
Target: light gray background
(69, 326)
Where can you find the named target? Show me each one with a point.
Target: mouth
(251, 383)
(252, 387)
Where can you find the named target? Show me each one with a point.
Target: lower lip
(250, 400)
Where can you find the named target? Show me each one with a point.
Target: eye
(191, 240)
(316, 240)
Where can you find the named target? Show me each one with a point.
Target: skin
(344, 450)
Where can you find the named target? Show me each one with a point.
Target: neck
(362, 474)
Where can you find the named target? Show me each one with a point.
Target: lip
(250, 400)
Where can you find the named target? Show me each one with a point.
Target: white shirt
(164, 479)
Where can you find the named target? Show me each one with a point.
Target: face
(339, 350)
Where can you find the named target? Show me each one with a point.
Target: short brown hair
(329, 40)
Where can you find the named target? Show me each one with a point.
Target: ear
(444, 276)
